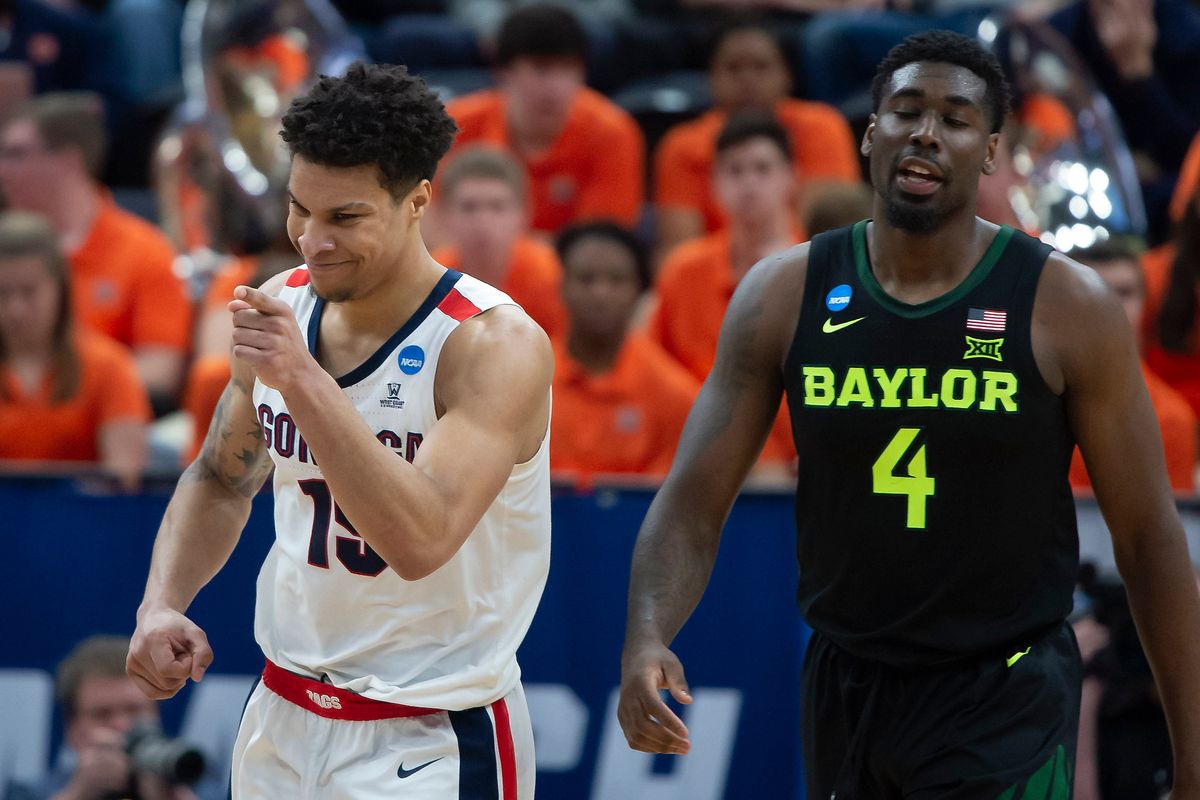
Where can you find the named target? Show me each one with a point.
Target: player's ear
(419, 198)
(868, 137)
(989, 161)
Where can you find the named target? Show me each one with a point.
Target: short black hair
(572, 235)
(746, 125)
(947, 47)
(376, 114)
(540, 31)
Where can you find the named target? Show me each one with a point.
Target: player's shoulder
(500, 345)
(1067, 289)
(293, 278)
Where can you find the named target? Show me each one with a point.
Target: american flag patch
(986, 319)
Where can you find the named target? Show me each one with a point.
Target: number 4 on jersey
(916, 485)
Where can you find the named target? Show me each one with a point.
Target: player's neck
(907, 264)
(381, 309)
(597, 354)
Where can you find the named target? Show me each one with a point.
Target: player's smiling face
(928, 142)
(348, 228)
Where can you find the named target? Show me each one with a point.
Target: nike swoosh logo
(830, 327)
(404, 773)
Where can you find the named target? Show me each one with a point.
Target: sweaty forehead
(936, 78)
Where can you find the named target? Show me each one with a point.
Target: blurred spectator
(65, 394)
(1118, 265)
(755, 184)
(483, 207)
(619, 401)
(1172, 323)
(747, 71)
(100, 706)
(49, 44)
(839, 205)
(1144, 55)
(584, 155)
(121, 266)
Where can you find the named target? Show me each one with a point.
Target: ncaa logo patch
(411, 359)
(839, 297)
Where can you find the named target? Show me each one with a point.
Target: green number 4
(916, 485)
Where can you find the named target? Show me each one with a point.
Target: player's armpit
(234, 453)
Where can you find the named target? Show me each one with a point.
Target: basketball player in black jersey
(939, 370)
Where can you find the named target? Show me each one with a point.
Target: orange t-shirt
(206, 380)
(534, 280)
(822, 148)
(124, 284)
(594, 170)
(627, 420)
(695, 285)
(1180, 370)
(1178, 426)
(238, 272)
(33, 428)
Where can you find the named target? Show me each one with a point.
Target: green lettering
(958, 388)
(856, 389)
(890, 384)
(818, 386)
(999, 387)
(919, 399)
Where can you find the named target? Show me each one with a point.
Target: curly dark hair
(376, 114)
(947, 47)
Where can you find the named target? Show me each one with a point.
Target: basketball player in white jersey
(405, 410)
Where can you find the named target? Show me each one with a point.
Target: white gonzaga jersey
(328, 605)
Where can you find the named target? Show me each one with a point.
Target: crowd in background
(620, 165)
(621, 225)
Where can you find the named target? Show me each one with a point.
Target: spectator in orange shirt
(747, 71)
(755, 186)
(1118, 266)
(1172, 322)
(483, 206)
(51, 152)
(619, 401)
(584, 155)
(65, 394)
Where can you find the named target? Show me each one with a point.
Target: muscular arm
(677, 544)
(199, 530)
(211, 502)
(493, 391)
(1115, 426)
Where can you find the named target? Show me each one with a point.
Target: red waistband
(329, 701)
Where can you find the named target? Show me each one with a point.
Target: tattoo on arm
(233, 453)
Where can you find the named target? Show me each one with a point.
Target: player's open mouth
(916, 176)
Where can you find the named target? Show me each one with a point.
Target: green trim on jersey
(977, 275)
(1052, 781)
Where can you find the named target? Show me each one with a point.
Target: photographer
(100, 706)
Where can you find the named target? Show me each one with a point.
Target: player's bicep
(1113, 418)
(234, 452)
(494, 384)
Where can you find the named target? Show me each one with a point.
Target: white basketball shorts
(301, 739)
